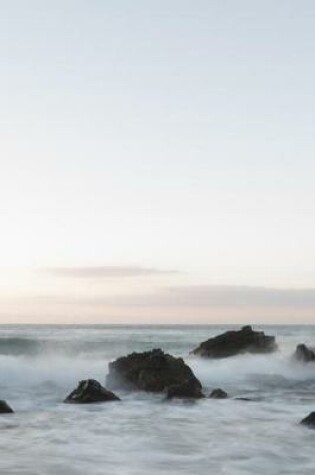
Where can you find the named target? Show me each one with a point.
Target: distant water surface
(40, 365)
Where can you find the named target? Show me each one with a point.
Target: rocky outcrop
(89, 391)
(218, 393)
(304, 354)
(187, 390)
(309, 421)
(231, 343)
(151, 371)
(5, 408)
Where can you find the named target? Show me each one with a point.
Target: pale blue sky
(169, 135)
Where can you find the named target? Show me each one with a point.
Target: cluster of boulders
(159, 372)
(152, 371)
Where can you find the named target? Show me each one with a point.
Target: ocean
(143, 434)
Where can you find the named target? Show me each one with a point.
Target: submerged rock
(304, 354)
(231, 343)
(151, 371)
(187, 390)
(218, 393)
(89, 391)
(309, 420)
(246, 399)
(5, 408)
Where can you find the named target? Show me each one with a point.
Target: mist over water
(40, 365)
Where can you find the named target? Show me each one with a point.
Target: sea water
(143, 434)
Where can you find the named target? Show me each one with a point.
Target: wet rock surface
(309, 421)
(304, 354)
(245, 399)
(153, 371)
(5, 408)
(187, 390)
(218, 393)
(89, 391)
(235, 342)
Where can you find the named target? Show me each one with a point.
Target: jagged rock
(231, 343)
(5, 408)
(88, 391)
(303, 353)
(150, 371)
(187, 390)
(218, 393)
(309, 420)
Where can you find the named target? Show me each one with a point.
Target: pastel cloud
(216, 296)
(207, 296)
(169, 304)
(96, 272)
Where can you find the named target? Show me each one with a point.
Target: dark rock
(5, 408)
(218, 393)
(89, 391)
(150, 371)
(305, 354)
(186, 390)
(246, 399)
(309, 420)
(231, 343)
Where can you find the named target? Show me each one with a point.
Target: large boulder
(186, 390)
(304, 354)
(309, 421)
(89, 391)
(231, 343)
(150, 371)
(5, 408)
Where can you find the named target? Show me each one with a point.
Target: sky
(157, 161)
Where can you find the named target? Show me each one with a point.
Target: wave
(65, 356)
(266, 372)
(20, 346)
(88, 346)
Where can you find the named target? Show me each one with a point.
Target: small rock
(304, 354)
(89, 391)
(218, 393)
(309, 420)
(246, 399)
(5, 408)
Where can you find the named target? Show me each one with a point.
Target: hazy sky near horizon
(158, 148)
